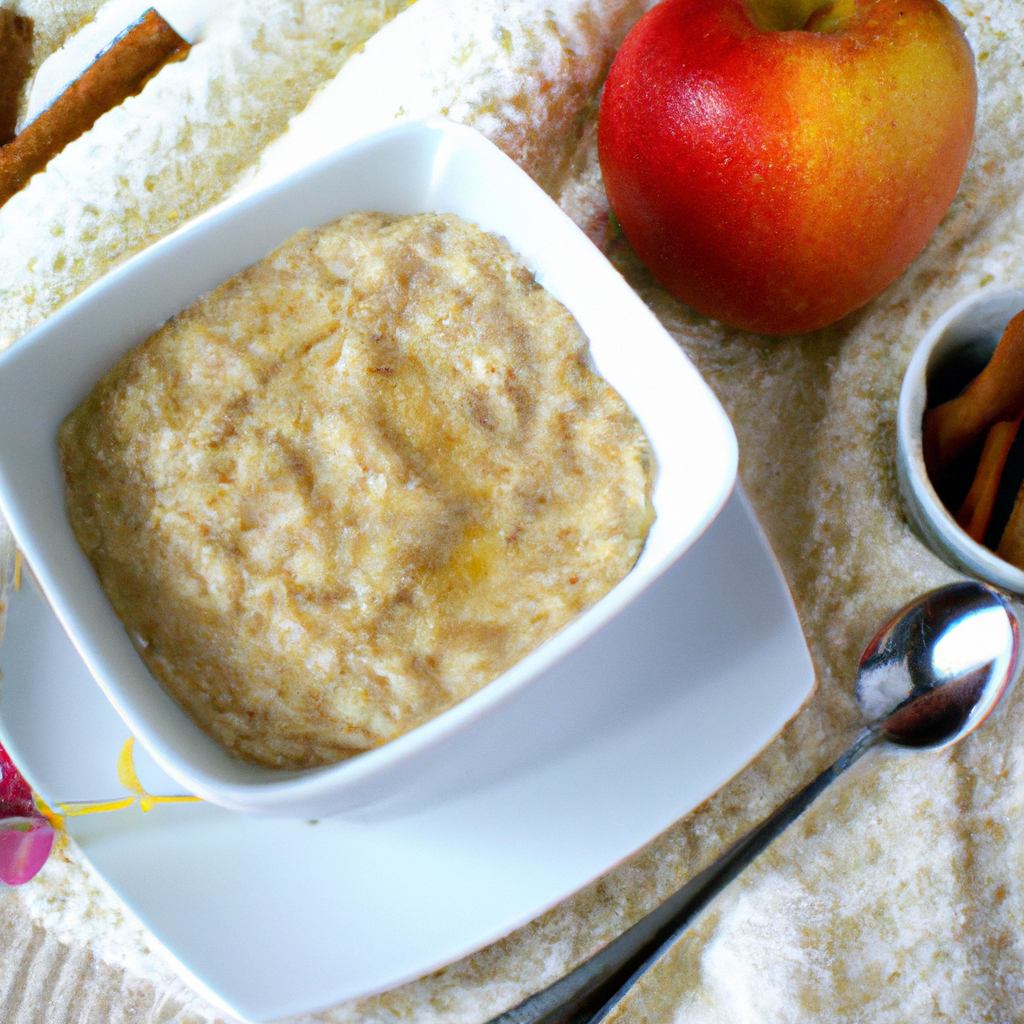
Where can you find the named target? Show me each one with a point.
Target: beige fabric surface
(899, 897)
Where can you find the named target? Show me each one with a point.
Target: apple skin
(778, 180)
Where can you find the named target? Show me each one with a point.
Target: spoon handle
(593, 990)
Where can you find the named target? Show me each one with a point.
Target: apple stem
(816, 18)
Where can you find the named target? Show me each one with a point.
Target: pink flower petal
(25, 844)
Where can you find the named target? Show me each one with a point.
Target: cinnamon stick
(1011, 544)
(994, 396)
(117, 73)
(976, 511)
(15, 61)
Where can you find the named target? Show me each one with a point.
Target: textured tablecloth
(900, 896)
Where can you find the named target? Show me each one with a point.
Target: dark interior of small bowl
(951, 368)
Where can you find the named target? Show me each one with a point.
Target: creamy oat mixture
(354, 484)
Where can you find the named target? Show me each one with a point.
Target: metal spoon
(930, 676)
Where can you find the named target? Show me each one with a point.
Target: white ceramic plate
(272, 917)
(415, 167)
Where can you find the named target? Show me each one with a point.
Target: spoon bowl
(937, 668)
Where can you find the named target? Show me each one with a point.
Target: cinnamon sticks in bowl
(988, 412)
(960, 446)
(120, 71)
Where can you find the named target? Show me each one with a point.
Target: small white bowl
(966, 333)
(413, 168)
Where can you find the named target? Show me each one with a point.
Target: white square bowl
(413, 168)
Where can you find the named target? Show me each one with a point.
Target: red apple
(777, 163)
